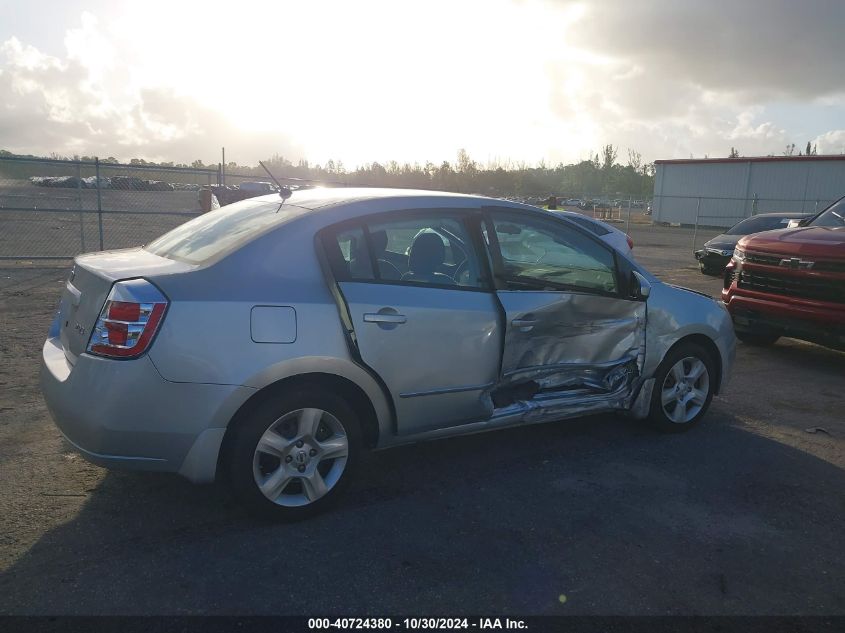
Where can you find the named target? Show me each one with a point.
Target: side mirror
(640, 287)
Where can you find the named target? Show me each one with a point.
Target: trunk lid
(89, 283)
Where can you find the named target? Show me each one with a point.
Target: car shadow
(595, 516)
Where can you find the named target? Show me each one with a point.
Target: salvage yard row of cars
(270, 342)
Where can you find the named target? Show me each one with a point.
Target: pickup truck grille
(774, 260)
(759, 258)
(806, 287)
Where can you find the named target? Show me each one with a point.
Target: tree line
(602, 174)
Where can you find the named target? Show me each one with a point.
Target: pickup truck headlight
(739, 255)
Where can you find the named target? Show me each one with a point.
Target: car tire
(757, 340)
(683, 389)
(301, 448)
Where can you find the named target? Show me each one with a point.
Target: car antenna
(284, 192)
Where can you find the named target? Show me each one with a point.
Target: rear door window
(415, 248)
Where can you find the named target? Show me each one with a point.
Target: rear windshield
(220, 231)
(760, 223)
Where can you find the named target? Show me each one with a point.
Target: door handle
(372, 317)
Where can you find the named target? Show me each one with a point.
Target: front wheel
(293, 456)
(683, 389)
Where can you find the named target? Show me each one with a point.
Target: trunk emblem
(79, 328)
(796, 263)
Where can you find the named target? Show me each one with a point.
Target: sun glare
(377, 81)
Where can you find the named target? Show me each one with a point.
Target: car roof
(329, 205)
(324, 197)
(779, 215)
(588, 218)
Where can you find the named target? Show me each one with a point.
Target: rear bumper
(123, 414)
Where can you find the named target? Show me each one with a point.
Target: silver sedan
(271, 341)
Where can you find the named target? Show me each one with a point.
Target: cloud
(754, 49)
(522, 80)
(689, 77)
(832, 142)
(87, 104)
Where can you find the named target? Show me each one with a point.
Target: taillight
(129, 319)
(630, 242)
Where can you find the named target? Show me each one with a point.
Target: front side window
(539, 255)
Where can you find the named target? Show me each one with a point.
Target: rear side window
(220, 231)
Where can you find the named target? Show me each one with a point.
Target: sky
(510, 81)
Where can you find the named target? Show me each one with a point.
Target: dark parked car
(716, 253)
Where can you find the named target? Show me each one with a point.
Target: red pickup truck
(791, 282)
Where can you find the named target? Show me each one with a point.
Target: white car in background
(619, 240)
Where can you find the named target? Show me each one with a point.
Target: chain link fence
(704, 214)
(60, 208)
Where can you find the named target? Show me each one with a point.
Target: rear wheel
(294, 455)
(683, 389)
(759, 340)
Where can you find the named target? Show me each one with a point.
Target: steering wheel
(461, 271)
(383, 263)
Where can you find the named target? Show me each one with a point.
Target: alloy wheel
(685, 389)
(300, 457)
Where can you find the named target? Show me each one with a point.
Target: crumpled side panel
(578, 341)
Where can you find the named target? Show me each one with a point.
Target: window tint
(351, 259)
(433, 250)
(537, 254)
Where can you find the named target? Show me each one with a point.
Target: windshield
(221, 230)
(832, 216)
(759, 223)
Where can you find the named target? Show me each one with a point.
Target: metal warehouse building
(721, 191)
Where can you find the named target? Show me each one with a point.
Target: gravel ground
(743, 515)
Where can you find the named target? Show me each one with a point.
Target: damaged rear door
(573, 332)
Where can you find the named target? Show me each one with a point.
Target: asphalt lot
(743, 515)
